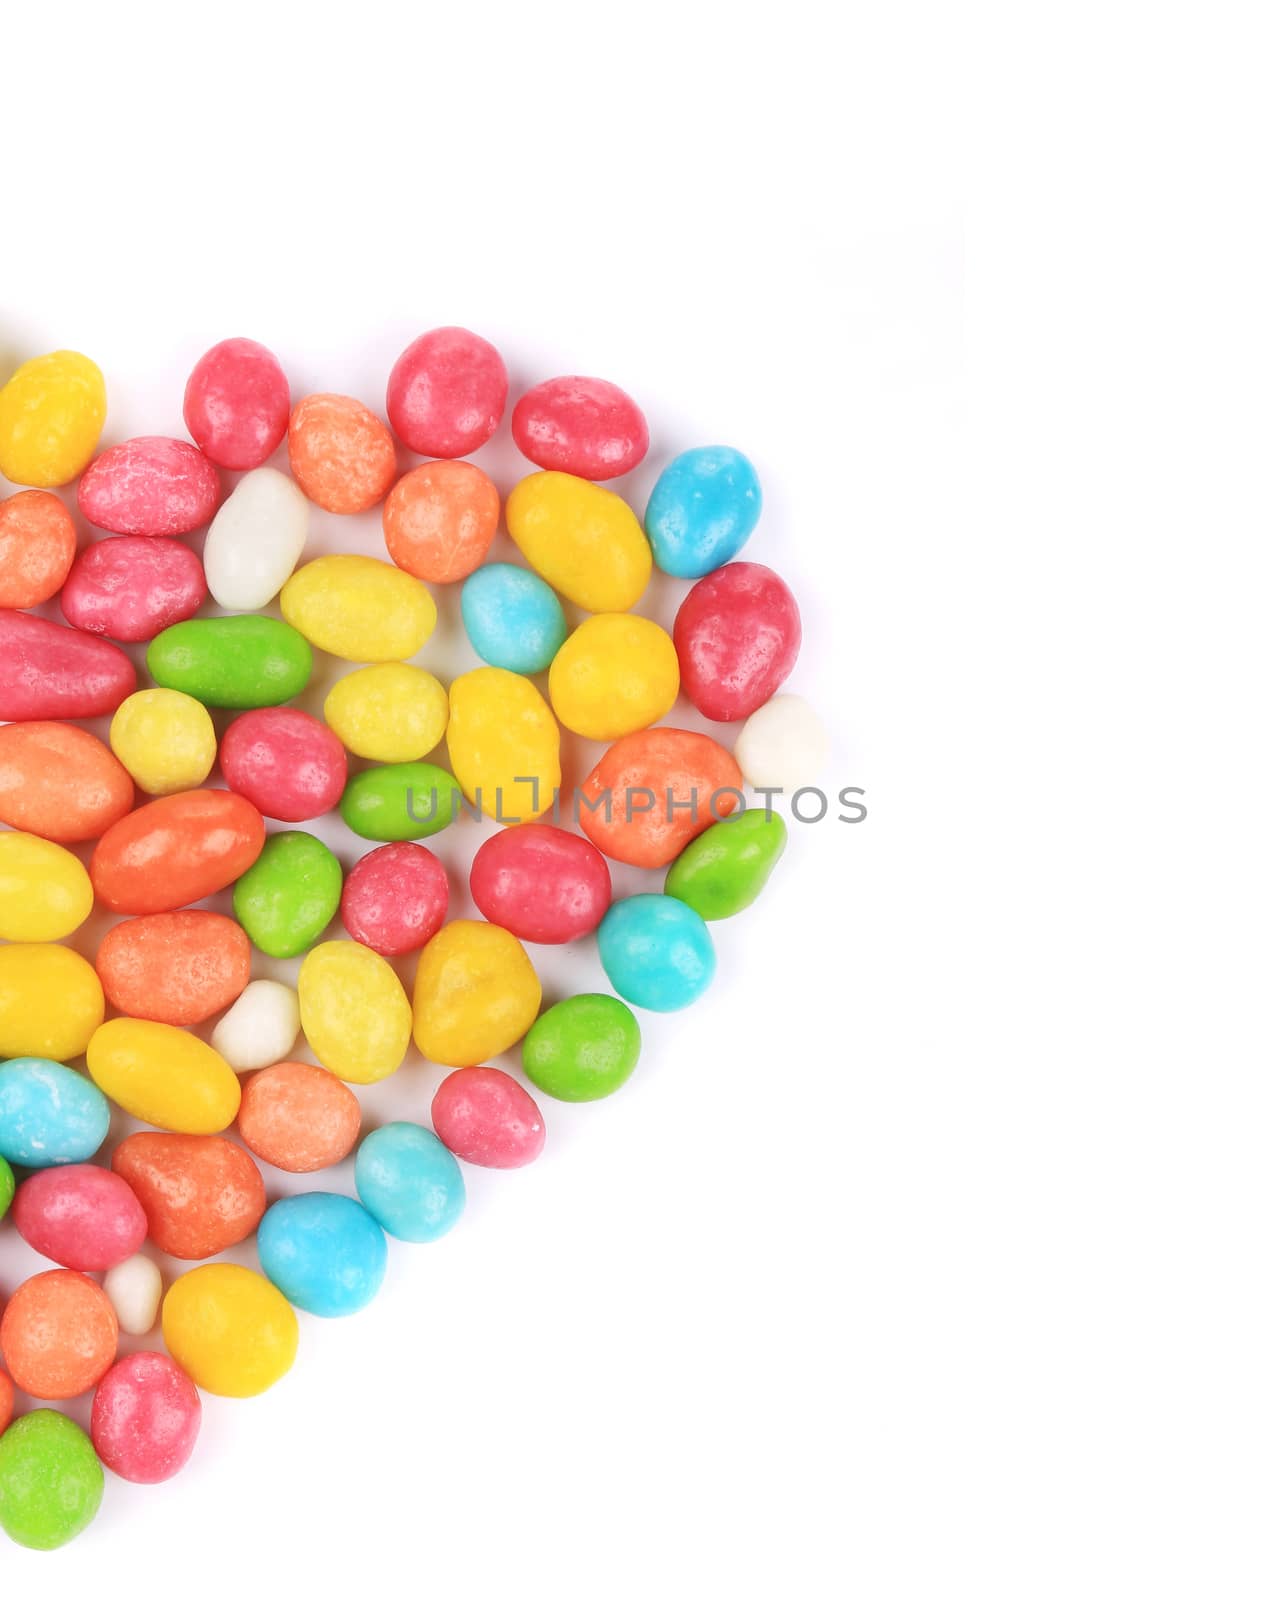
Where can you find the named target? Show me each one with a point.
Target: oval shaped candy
(37, 548)
(50, 1001)
(702, 510)
(234, 662)
(52, 411)
(440, 519)
(287, 899)
(230, 1329)
(409, 1182)
(395, 899)
(45, 894)
(176, 850)
(359, 609)
(391, 712)
(324, 1252)
(200, 1194)
(512, 618)
(286, 763)
(179, 967)
(583, 1048)
(504, 744)
(586, 426)
(583, 540)
(409, 800)
(656, 952)
(447, 393)
(722, 871)
(342, 456)
(145, 1418)
(256, 540)
(783, 745)
(81, 1217)
(260, 1027)
(542, 883)
(60, 782)
(51, 1482)
(475, 995)
(354, 1011)
(298, 1117)
(654, 791)
(165, 739)
(50, 1115)
(237, 404)
(615, 674)
(163, 1076)
(132, 588)
(737, 635)
(488, 1119)
(151, 487)
(50, 672)
(58, 1335)
(134, 1288)
(7, 1187)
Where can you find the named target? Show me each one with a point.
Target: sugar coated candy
(583, 1048)
(237, 404)
(58, 1335)
(583, 540)
(152, 487)
(145, 1418)
(476, 993)
(165, 739)
(130, 588)
(51, 1481)
(201, 1194)
(163, 1075)
(737, 635)
(37, 548)
(488, 1119)
(702, 510)
(324, 1252)
(60, 782)
(409, 1182)
(341, 454)
(51, 414)
(656, 951)
(256, 540)
(287, 899)
(440, 519)
(512, 618)
(586, 426)
(179, 967)
(446, 393)
(50, 1115)
(230, 1329)
(298, 1117)
(49, 672)
(81, 1217)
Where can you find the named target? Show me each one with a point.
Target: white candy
(255, 540)
(783, 745)
(135, 1287)
(260, 1027)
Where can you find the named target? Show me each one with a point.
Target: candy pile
(660, 797)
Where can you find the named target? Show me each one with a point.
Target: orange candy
(662, 786)
(440, 520)
(60, 782)
(200, 1193)
(298, 1117)
(6, 1400)
(59, 1335)
(342, 456)
(37, 548)
(179, 967)
(176, 850)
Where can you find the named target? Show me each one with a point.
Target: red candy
(132, 588)
(155, 487)
(447, 393)
(737, 636)
(486, 1118)
(81, 1217)
(237, 404)
(585, 426)
(395, 899)
(285, 762)
(51, 672)
(541, 883)
(145, 1418)
(176, 850)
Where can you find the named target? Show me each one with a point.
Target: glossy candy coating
(131, 588)
(447, 393)
(488, 1119)
(722, 871)
(50, 1480)
(234, 662)
(503, 743)
(542, 883)
(409, 1182)
(408, 800)
(50, 1115)
(359, 609)
(656, 952)
(287, 899)
(702, 510)
(230, 1329)
(58, 1335)
(583, 1048)
(782, 745)
(737, 635)
(37, 548)
(475, 995)
(45, 893)
(150, 486)
(163, 1076)
(165, 739)
(60, 782)
(298, 1117)
(237, 404)
(661, 787)
(512, 618)
(585, 426)
(286, 763)
(145, 1418)
(51, 414)
(615, 674)
(395, 898)
(50, 672)
(260, 1027)
(50, 1001)
(179, 967)
(354, 1011)
(440, 519)
(324, 1252)
(390, 712)
(583, 540)
(81, 1217)
(256, 540)
(176, 850)
(200, 1194)
(135, 1288)
(341, 454)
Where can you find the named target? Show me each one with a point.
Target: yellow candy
(51, 413)
(615, 675)
(503, 744)
(388, 713)
(45, 893)
(164, 1075)
(353, 1011)
(230, 1329)
(165, 739)
(51, 1002)
(359, 608)
(583, 540)
(476, 994)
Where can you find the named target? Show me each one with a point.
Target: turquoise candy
(702, 510)
(324, 1252)
(409, 1182)
(6, 1186)
(656, 951)
(513, 618)
(50, 1115)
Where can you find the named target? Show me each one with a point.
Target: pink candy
(395, 899)
(585, 426)
(132, 588)
(488, 1119)
(81, 1217)
(286, 763)
(48, 673)
(737, 635)
(150, 486)
(237, 404)
(447, 393)
(540, 882)
(145, 1418)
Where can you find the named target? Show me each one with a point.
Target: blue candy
(409, 1182)
(702, 510)
(324, 1252)
(50, 1115)
(656, 951)
(512, 617)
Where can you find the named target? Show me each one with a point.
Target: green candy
(412, 800)
(50, 1480)
(582, 1048)
(6, 1186)
(238, 662)
(726, 867)
(288, 898)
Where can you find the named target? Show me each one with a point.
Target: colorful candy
(298, 1117)
(583, 1048)
(50, 1115)
(50, 1001)
(153, 487)
(134, 1289)
(782, 745)
(503, 743)
(409, 1183)
(260, 1027)
(163, 1075)
(475, 995)
(324, 1252)
(702, 510)
(51, 414)
(354, 1011)
(737, 635)
(391, 712)
(200, 1194)
(7, 1187)
(58, 1335)
(131, 588)
(231, 1331)
(446, 393)
(165, 739)
(585, 426)
(342, 456)
(359, 609)
(50, 1481)
(45, 894)
(37, 548)
(256, 540)
(409, 800)
(584, 541)
(60, 782)
(176, 850)
(722, 871)
(656, 952)
(237, 404)
(654, 791)
(395, 899)
(512, 618)
(235, 662)
(48, 672)
(81, 1217)
(287, 899)
(440, 520)
(488, 1119)
(6, 1400)
(542, 883)
(179, 967)
(615, 675)
(286, 763)
(145, 1418)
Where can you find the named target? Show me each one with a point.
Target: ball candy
(51, 1481)
(542, 883)
(165, 739)
(585, 426)
(145, 1418)
(654, 791)
(230, 1329)
(656, 952)
(359, 609)
(81, 1217)
(341, 454)
(37, 548)
(45, 894)
(288, 898)
(60, 782)
(260, 1027)
(782, 745)
(324, 1252)
(722, 871)
(237, 404)
(737, 635)
(51, 414)
(395, 899)
(389, 712)
(354, 1011)
(409, 1182)
(58, 1335)
(702, 510)
(179, 967)
(135, 1288)
(51, 1002)
(150, 486)
(235, 662)
(286, 763)
(49, 672)
(486, 1118)
(615, 675)
(583, 540)
(476, 993)
(447, 393)
(50, 1115)
(163, 1076)
(131, 588)
(583, 1048)
(255, 541)
(440, 520)
(176, 850)
(200, 1194)
(298, 1117)
(512, 618)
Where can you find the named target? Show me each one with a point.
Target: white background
(923, 1257)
